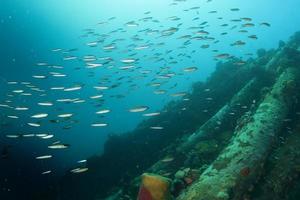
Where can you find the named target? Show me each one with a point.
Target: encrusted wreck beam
(283, 168)
(237, 166)
(208, 129)
(241, 97)
(221, 120)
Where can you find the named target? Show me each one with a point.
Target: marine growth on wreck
(150, 100)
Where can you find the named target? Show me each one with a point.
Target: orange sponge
(154, 187)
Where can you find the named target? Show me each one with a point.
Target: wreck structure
(243, 144)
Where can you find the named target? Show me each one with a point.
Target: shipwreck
(243, 144)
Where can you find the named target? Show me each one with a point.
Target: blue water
(30, 29)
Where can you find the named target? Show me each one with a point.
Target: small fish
(141, 47)
(190, 69)
(101, 87)
(151, 114)
(223, 56)
(92, 44)
(159, 91)
(47, 137)
(72, 89)
(46, 172)
(265, 24)
(13, 136)
(109, 47)
(126, 67)
(238, 43)
(179, 94)
(156, 127)
(43, 157)
(21, 108)
(18, 91)
(128, 60)
(58, 146)
(99, 124)
(195, 8)
(45, 104)
(79, 101)
(169, 31)
(139, 109)
(57, 88)
(41, 135)
(38, 116)
(240, 63)
(104, 111)
(235, 9)
(205, 46)
(79, 170)
(248, 25)
(246, 19)
(202, 33)
(67, 115)
(39, 76)
(5, 106)
(96, 97)
(12, 82)
(13, 117)
(253, 37)
(70, 58)
(132, 24)
(28, 135)
(93, 65)
(155, 84)
(59, 75)
(34, 124)
(167, 159)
